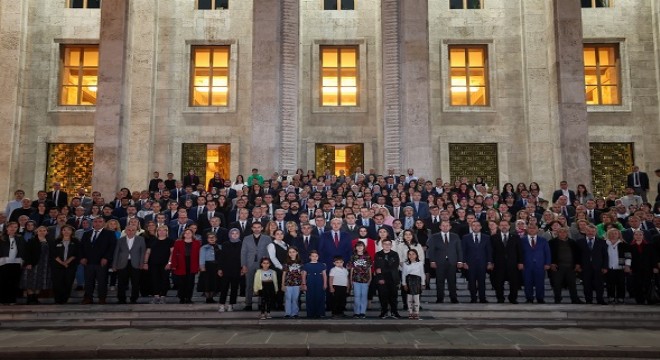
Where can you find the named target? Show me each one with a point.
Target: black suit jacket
(593, 259)
(191, 180)
(558, 193)
(506, 257)
(643, 180)
(237, 225)
(303, 250)
(575, 250)
(221, 235)
(61, 201)
(102, 248)
(57, 250)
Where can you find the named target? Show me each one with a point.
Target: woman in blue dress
(314, 284)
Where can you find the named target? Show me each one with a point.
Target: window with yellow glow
(80, 70)
(601, 74)
(468, 67)
(210, 76)
(466, 4)
(596, 3)
(339, 76)
(85, 4)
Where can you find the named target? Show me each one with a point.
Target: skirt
(414, 284)
(209, 280)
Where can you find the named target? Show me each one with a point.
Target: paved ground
(197, 342)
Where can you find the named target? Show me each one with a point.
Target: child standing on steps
(413, 280)
(265, 286)
(360, 266)
(339, 286)
(314, 284)
(291, 281)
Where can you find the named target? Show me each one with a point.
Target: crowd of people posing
(322, 237)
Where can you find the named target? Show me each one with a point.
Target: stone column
(416, 146)
(109, 117)
(289, 85)
(572, 108)
(266, 66)
(13, 22)
(391, 85)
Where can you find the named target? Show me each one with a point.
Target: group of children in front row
(313, 279)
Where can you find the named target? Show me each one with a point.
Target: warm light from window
(601, 75)
(339, 76)
(79, 79)
(468, 71)
(210, 80)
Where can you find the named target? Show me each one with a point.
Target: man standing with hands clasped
(97, 249)
(127, 261)
(478, 255)
(446, 255)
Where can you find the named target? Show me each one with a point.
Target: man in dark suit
(507, 262)
(221, 234)
(334, 243)
(97, 247)
(377, 224)
(396, 209)
(209, 213)
(350, 226)
(191, 179)
(563, 190)
(178, 225)
(639, 181)
(433, 223)
(634, 224)
(445, 255)
(565, 254)
(242, 224)
(420, 208)
(127, 262)
(593, 214)
(153, 183)
(306, 242)
(320, 228)
(478, 256)
(57, 196)
(594, 264)
(197, 211)
(537, 260)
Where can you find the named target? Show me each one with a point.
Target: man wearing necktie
(594, 265)
(478, 256)
(306, 242)
(507, 262)
(445, 254)
(57, 196)
(639, 181)
(536, 261)
(334, 243)
(97, 247)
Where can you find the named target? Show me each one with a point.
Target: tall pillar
(109, 117)
(415, 114)
(266, 67)
(572, 108)
(290, 84)
(13, 22)
(391, 84)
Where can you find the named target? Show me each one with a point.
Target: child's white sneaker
(230, 308)
(221, 308)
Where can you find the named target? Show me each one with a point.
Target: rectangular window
(84, 4)
(466, 4)
(80, 72)
(468, 67)
(338, 4)
(212, 4)
(210, 76)
(339, 75)
(601, 74)
(596, 3)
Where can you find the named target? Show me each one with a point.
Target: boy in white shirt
(339, 286)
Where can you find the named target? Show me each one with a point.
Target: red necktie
(336, 240)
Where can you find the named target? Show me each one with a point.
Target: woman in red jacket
(185, 264)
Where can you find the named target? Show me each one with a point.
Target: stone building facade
(532, 120)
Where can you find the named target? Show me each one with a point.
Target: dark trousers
(564, 277)
(186, 286)
(499, 277)
(445, 271)
(123, 276)
(160, 279)
(641, 282)
(339, 300)
(616, 284)
(476, 277)
(96, 274)
(388, 296)
(279, 295)
(10, 277)
(266, 296)
(592, 280)
(62, 282)
(228, 283)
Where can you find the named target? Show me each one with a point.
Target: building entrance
(337, 157)
(206, 159)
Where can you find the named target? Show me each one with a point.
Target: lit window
(601, 74)
(80, 70)
(338, 4)
(85, 4)
(468, 67)
(466, 4)
(212, 4)
(339, 74)
(210, 76)
(596, 3)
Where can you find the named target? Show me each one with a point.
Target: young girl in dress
(314, 284)
(265, 286)
(413, 280)
(360, 267)
(291, 281)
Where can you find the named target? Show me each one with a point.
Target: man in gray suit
(127, 262)
(255, 247)
(446, 255)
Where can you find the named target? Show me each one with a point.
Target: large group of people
(325, 236)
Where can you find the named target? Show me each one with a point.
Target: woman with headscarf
(229, 270)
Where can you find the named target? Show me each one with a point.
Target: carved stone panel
(70, 165)
(472, 160)
(610, 165)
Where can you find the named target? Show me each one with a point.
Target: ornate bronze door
(325, 158)
(472, 160)
(193, 156)
(610, 165)
(70, 165)
(354, 157)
